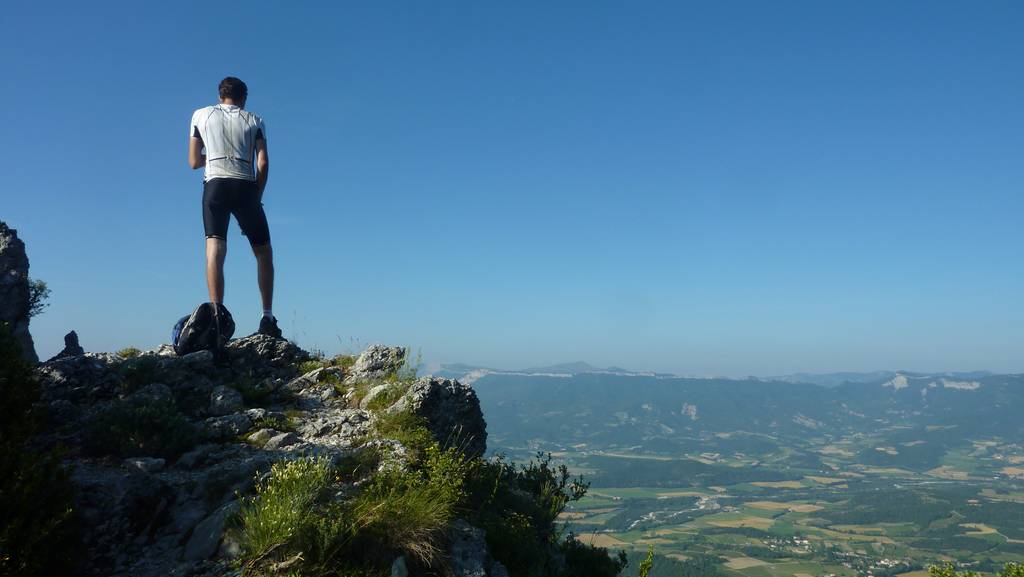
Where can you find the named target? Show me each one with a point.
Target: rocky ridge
(162, 447)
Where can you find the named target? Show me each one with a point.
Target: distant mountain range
(922, 416)
(471, 373)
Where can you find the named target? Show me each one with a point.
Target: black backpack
(208, 328)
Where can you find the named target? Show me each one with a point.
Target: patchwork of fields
(853, 520)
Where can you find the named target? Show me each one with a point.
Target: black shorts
(223, 197)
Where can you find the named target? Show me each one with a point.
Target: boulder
(378, 361)
(229, 426)
(71, 347)
(207, 535)
(264, 353)
(282, 440)
(15, 290)
(224, 400)
(452, 411)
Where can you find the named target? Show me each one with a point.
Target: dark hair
(233, 88)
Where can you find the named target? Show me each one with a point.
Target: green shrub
(387, 397)
(407, 428)
(295, 512)
(585, 560)
(139, 428)
(411, 511)
(518, 507)
(129, 352)
(38, 529)
(282, 509)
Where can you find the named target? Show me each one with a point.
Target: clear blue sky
(717, 188)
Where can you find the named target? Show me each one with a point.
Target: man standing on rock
(234, 140)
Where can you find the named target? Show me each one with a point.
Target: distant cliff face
(164, 449)
(14, 289)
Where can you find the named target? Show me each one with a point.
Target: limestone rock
(260, 437)
(281, 441)
(71, 347)
(469, 556)
(452, 411)
(207, 535)
(339, 427)
(14, 290)
(228, 426)
(376, 362)
(224, 400)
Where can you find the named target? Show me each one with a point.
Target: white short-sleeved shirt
(229, 135)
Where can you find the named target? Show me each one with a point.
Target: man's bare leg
(216, 250)
(265, 273)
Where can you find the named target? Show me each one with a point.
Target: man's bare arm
(196, 157)
(262, 165)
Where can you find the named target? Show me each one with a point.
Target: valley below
(763, 479)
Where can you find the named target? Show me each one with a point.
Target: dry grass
(778, 484)
(755, 522)
(777, 506)
(744, 563)
(824, 480)
(602, 540)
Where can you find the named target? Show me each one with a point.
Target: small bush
(518, 507)
(282, 509)
(38, 294)
(387, 397)
(296, 511)
(139, 428)
(129, 352)
(411, 512)
(585, 560)
(407, 428)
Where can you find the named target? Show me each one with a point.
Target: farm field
(854, 520)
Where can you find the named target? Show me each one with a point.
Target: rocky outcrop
(14, 290)
(376, 362)
(452, 411)
(157, 503)
(71, 347)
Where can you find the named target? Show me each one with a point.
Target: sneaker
(268, 326)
